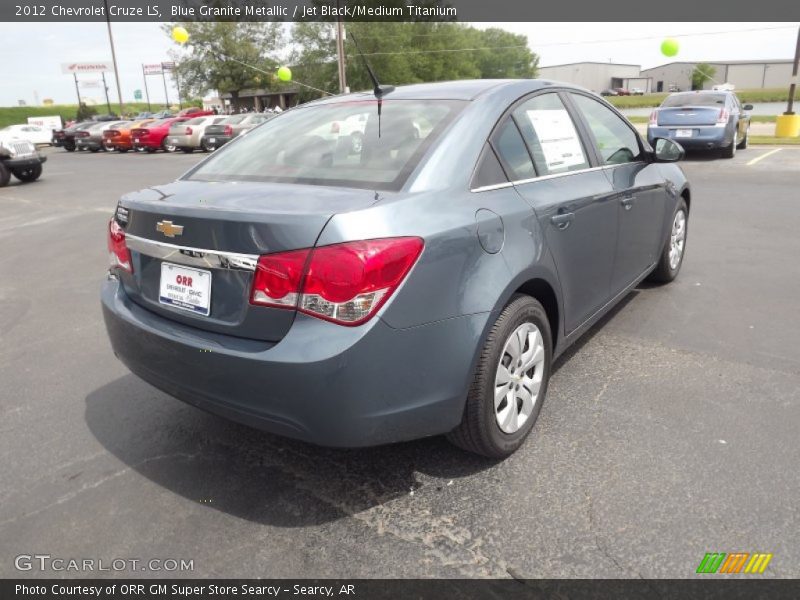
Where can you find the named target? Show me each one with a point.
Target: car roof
(467, 89)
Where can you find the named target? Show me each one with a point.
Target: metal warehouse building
(744, 74)
(596, 76)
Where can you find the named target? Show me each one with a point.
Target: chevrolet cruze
(420, 282)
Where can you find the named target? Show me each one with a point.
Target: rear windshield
(233, 120)
(335, 144)
(691, 99)
(195, 121)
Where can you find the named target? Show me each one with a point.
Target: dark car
(418, 285)
(702, 120)
(65, 138)
(221, 133)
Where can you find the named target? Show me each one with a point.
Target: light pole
(113, 58)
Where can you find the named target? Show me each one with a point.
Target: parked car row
(188, 132)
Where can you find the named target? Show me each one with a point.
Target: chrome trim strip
(541, 178)
(195, 257)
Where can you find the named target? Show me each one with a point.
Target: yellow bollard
(787, 126)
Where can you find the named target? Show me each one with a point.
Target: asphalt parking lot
(669, 431)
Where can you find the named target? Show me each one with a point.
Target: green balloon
(669, 47)
(285, 74)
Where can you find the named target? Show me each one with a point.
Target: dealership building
(743, 74)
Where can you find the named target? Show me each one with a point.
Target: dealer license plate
(212, 140)
(683, 133)
(185, 288)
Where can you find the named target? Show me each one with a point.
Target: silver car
(186, 136)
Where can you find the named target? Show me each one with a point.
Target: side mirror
(667, 150)
(748, 107)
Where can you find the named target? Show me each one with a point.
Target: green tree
(403, 53)
(701, 73)
(212, 58)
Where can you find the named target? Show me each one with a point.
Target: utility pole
(166, 95)
(340, 51)
(77, 89)
(113, 59)
(793, 86)
(105, 89)
(146, 91)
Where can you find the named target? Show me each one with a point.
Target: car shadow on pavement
(257, 476)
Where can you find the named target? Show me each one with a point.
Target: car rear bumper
(322, 383)
(219, 140)
(702, 137)
(89, 145)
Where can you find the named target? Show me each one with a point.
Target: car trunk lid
(689, 116)
(220, 229)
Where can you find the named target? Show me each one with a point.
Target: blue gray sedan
(419, 282)
(702, 120)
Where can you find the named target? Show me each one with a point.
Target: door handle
(627, 202)
(562, 220)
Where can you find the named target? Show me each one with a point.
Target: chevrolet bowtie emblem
(169, 229)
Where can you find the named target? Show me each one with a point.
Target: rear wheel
(168, 148)
(743, 143)
(5, 175)
(28, 174)
(672, 255)
(730, 151)
(510, 381)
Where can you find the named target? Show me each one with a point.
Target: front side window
(335, 144)
(616, 141)
(550, 134)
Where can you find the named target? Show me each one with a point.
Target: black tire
(743, 144)
(664, 273)
(28, 174)
(5, 175)
(479, 431)
(730, 151)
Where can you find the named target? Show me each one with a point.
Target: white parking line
(763, 156)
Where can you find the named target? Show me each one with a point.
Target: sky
(31, 53)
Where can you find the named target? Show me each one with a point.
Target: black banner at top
(397, 10)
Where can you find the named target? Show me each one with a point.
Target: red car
(154, 136)
(194, 111)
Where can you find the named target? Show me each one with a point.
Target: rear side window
(512, 151)
(550, 134)
(616, 141)
(489, 171)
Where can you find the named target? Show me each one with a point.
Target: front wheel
(510, 381)
(672, 255)
(28, 174)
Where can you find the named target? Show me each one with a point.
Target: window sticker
(558, 138)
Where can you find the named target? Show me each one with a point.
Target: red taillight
(344, 283)
(109, 133)
(723, 116)
(118, 252)
(228, 130)
(654, 118)
(188, 131)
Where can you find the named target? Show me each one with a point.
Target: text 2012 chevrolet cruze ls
(419, 282)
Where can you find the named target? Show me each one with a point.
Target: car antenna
(379, 90)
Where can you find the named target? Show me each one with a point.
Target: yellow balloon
(180, 35)
(669, 47)
(285, 74)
